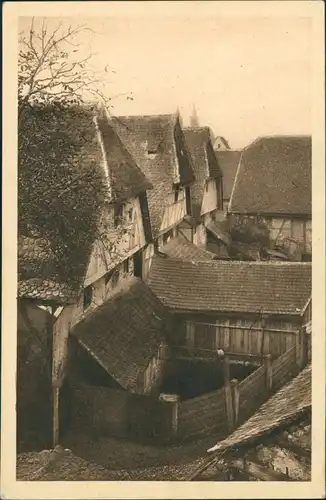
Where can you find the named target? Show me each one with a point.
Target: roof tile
(125, 332)
(274, 177)
(151, 141)
(228, 161)
(231, 286)
(181, 248)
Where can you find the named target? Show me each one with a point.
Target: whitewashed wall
(104, 259)
(210, 200)
(298, 229)
(200, 236)
(174, 210)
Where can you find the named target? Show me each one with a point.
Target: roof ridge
(158, 115)
(247, 263)
(277, 136)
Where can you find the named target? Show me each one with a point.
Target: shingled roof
(286, 404)
(38, 274)
(231, 286)
(125, 332)
(153, 142)
(274, 177)
(125, 178)
(228, 161)
(204, 163)
(181, 248)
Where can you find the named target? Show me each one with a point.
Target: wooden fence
(222, 411)
(253, 391)
(239, 339)
(105, 411)
(202, 415)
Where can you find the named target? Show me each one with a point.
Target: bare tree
(52, 70)
(61, 188)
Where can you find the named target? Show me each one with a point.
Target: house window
(176, 194)
(118, 214)
(126, 266)
(88, 296)
(130, 214)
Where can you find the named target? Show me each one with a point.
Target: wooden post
(305, 337)
(228, 392)
(300, 347)
(55, 422)
(175, 416)
(268, 371)
(49, 347)
(235, 401)
(263, 338)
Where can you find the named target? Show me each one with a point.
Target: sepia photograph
(164, 248)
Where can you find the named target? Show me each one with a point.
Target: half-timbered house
(157, 143)
(114, 250)
(273, 180)
(206, 190)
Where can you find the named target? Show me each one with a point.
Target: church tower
(194, 122)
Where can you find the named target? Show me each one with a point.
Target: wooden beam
(242, 327)
(258, 471)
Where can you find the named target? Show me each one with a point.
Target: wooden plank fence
(105, 411)
(203, 415)
(239, 338)
(216, 413)
(221, 411)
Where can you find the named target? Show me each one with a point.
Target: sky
(247, 77)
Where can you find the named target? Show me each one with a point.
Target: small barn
(118, 345)
(245, 308)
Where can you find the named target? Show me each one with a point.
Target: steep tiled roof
(285, 405)
(126, 180)
(203, 161)
(151, 141)
(234, 286)
(274, 177)
(181, 248)
(125, 332)
(47, 290)
(228, 161)
(38, 274)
